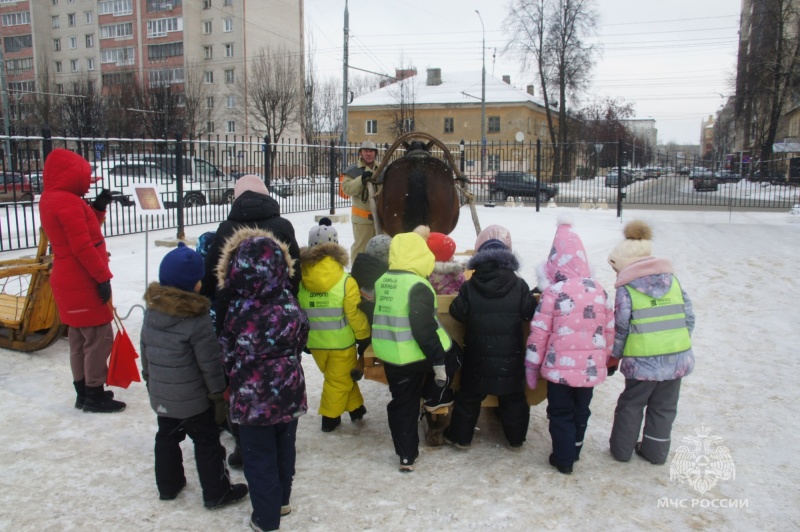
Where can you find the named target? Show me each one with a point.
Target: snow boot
(358, 413)
(80, 390)
(235, 493)
(235, 458)
(564, 470)
(98, 402)
(330, 423)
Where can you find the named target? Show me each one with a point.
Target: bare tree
(163, 112)
(122, 104)
(549, 36)
(198, 110)
(45, 101)
(274, 91)
(768, 73)
(404, 92)
(600, 122)
(82, 113)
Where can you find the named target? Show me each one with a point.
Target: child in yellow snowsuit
(339, 329)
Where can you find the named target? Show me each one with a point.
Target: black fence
(195, 178)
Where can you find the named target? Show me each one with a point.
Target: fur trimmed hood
(504, 258)
(254, 262)
(176, 302)
(328, 249)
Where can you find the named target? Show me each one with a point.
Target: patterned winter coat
(80, 259)
(493, 304)
(573, 328)
(181, 359)
(651, 276)
(447, 277)
(264, 331)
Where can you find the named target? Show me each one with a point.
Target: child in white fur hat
(654, 323)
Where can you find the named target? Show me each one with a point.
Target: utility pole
(483, 97)
(345, 91)
(6, 124)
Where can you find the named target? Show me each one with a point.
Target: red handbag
(122, 368)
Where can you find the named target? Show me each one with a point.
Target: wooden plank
(11, 310)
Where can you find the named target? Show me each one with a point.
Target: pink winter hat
(494, 236)
(249, 182)
(567, 257)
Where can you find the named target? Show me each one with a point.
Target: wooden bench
(11, 308)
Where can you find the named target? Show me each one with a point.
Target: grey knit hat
(322, 233)
(378, 247)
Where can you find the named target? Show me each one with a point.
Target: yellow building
(448, 107)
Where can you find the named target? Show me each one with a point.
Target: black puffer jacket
(257, 211)
(493, 304)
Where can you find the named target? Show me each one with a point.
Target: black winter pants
(209, 455)
(512, 409)
(405, 385)
(568, 411)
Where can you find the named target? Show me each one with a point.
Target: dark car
(684, 171)
(705, 182)
(612, 178)
(726, 176)
(15, 187)
(520, 184)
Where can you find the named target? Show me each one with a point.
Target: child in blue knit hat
(182, 366)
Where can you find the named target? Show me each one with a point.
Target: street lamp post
(483, 97)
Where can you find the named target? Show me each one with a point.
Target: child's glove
(440, 376)
(611, 365)
(220, 407)
(532, 376)
(362, 345)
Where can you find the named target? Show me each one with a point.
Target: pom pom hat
(442, 246)
(378, 247)
(322, 233)
(637, 245)
(249, 182)
(181, 268)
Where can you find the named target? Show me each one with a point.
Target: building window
(229, 76)
(165, 76)
(372, 127)
(120, 56)
(493, 124)
(71, 19)
(206, 27)
(16, 19)
(160, 27)
(76, 88)
(230, 126)
(73, 43)
(74, 64)
(90, 63)
(17, 43)
(209, 127)
(115, 7)
(60, 88)
(208, 76)
(209, 102)
(89, 17)
(229, 49)
(448, 125)
(90, 87)
(208, 52)
(156, 52)
(57, 45)
(55, 2)
(408, 125)
(228, 2)
(123, 30)
(90, 40)
(59, 67)
(230, 101)
(228, 25)
(156, 6)
(206, 4)
(493, 162)
(56, 22)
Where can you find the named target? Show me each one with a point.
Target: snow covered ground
(65, 470)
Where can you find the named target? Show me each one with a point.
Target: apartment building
(108, 44)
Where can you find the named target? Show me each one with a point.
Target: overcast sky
(674, 60)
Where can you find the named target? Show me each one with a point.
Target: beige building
(447, 105)
(109, 43)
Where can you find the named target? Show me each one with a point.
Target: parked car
(651, 172)
(699, 171)
(726, 176)
(279, 189)
(705, 182)
(522, 184)
(37, 185)
(612, 179)
(15, 187)
(684, 171)
(130, 173)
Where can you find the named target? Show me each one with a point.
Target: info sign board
(147, 198)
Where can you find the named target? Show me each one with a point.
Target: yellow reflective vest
(392, 338)
(325, 312)
(658, 325)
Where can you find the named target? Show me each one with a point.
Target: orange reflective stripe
(362, 213)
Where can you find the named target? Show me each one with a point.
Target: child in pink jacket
(571, 337)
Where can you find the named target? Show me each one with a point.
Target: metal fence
(196, 178)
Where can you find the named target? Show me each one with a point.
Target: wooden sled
(28, 315)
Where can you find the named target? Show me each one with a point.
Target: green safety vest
(325, 312)
(658, 326)
(392, 339)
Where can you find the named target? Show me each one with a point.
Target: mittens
(102, 200)
(104, 291)
(220, 407)
(362, 345)
(366, 176)
(440, 376)
(532, 376)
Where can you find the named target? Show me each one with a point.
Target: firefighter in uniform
(353, 185)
